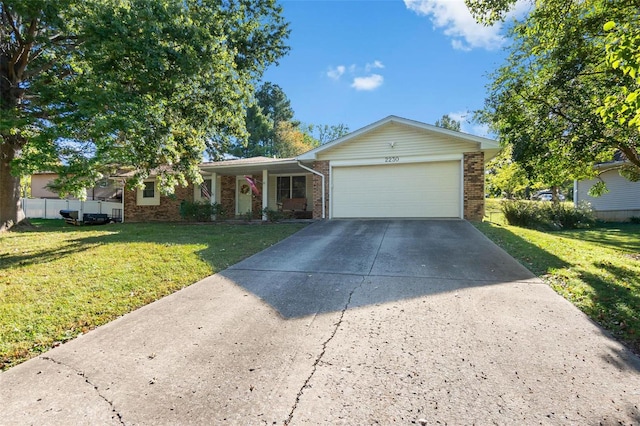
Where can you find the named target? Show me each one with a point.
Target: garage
(414, 190)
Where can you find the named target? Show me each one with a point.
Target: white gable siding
(622, 195)
(407, 141)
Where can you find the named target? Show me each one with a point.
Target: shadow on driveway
(318, 269)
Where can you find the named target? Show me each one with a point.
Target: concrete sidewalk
(346, 322)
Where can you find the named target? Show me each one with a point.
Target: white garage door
(397, 190)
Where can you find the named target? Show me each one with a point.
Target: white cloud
(466, 126)
(375, 64)
(457, 22)
(370, 82)
(336, 73)
(481, 130)
(460, 116)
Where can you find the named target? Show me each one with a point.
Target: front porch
(255, 188)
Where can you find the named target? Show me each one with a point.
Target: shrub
(545, 215)
(565, 216)
(525, 214)
(200, 211)
(273, 215)
(634, 219)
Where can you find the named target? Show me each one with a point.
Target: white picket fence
(42, 208)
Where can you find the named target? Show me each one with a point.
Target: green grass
(57, 280)
(597, 269)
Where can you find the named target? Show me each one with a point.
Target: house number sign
(391, 159)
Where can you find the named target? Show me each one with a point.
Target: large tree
(292, 141)
(547, 100)
(325, 133)
(90, 85)
(447, 122)
(271, 107)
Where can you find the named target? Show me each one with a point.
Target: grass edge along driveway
(58, 281)
(598, 269)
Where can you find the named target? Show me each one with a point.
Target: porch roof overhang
(253, 165)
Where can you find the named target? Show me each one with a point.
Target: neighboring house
(621, 203)
(393, 168)
(106, 190)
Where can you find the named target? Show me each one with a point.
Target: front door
(243, 196)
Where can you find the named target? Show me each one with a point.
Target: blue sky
(358, 61)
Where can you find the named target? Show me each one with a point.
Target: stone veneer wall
(167, 211)
(473, 185)
(228, 195)
(322, 167)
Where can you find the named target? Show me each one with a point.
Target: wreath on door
(244, 189)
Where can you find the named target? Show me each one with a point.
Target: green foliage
(506, 178)
(291, 141)
(521, 213)
(566, 216)
(143, 84)
(325, 133)
(273, 215)
(271, 108)
(600, 188)
(273, 131)
(623, 54)
(489, 12)
(447, 122)
(545, 215)
(201, 211)
(246, 216)
(545, 100)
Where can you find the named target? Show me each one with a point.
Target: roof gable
(443, 136)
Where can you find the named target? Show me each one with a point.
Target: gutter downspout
(315, 172)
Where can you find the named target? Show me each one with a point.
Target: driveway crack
(321, 355)
(94, 386)
(384, 234)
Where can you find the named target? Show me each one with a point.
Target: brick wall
(228, 195)
(322, 167)
(473, 185)
(167, 211)
(256, 200)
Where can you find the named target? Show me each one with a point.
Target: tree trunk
(10, 209)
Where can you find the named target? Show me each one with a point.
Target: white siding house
(619, 204)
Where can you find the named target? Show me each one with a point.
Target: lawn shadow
(532, 257)
(625, 236)
(46, 255)
(622, 320)
(224, 243)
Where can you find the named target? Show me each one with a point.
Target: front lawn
(598, 269)
(57, 280)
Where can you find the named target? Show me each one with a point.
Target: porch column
(265, 193)
(213, 196)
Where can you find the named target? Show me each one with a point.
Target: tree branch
(631, 154)
(12, 23)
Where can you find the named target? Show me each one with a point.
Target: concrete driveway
(345, 322)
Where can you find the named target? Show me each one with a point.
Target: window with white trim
(291, 187)
(149, 190)
(148, 195)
